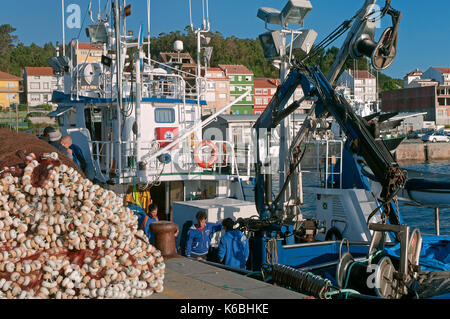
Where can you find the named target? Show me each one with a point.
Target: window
(211, 85)
(11, 97)
(258, 101)
(222, 85)
(265, 91)
(258, 91)
(35, 85)
(222, 96)
(46, 85)
(10, 85)
(239, 78)
(232, 88)
(248, 78)
(163, 115)
(248, 98)
(231, 78)
(35, 97)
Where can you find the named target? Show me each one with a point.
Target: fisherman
(233, 248)
(199, 237)
(145, 220)
(77, 153)
(45, 133)
(54, 139)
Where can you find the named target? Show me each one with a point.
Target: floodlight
(304, 42)
(295, 11)
(208, 53)
(54, 63)
(271, 43)
(97, 33)
(204, 40)
(269, 15)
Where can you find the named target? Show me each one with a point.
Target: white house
(441, 75)
(362, 85)
(39, 84)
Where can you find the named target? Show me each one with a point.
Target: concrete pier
(190, 279)
(422, 152)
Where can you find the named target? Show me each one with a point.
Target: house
(186, 66)
(434, 100)
(9, 89)
(264, 90)
(416, 79)
(241, 80)
(440, 75)
(217, 91)
(39, 84)
(86, 52)
(362, 85)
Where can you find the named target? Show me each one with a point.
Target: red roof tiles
(7, 76)
(235, 69)
(39, 71)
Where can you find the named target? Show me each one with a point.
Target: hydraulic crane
(359, 43)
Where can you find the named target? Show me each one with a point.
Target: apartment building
(86, 52)
(9, 89)
(217, 91)
(264, 90)
(39, 84)
(434, 100)
(241, 80)
(362, 85)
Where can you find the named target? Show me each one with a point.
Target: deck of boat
(189, 279)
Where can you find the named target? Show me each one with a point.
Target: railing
(187, 157)
(322, 164)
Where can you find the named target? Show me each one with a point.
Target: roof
(165, 56)
(87, 46)
(361, 74)
(39, 71)
(7, 76)
(235, 69)
(415, 72)
(442, 70)
(266, 83)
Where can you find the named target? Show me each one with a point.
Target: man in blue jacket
(233, 247)
(199, 237)
(144, 220)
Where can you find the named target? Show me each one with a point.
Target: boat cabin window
(93, 121)
(71, 117)
(164, 115)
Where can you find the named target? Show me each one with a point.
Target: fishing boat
(139, 121)
(141, 132)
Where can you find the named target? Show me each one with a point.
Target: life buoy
(212, 159)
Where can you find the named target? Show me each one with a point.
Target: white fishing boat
(138, 121)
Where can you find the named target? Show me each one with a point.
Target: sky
(424, 34)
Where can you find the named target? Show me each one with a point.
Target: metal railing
(322, 164)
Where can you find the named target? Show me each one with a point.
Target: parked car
(436, 136)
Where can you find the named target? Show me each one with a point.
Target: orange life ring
(213, 158)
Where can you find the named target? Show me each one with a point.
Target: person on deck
(233, 248)
(145, 220)
(77, 153)
(199, 236)
(54, 139)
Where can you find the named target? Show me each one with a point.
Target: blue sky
(424, 32)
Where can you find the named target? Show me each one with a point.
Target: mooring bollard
(165, 232)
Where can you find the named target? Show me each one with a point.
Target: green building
(241, 80)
